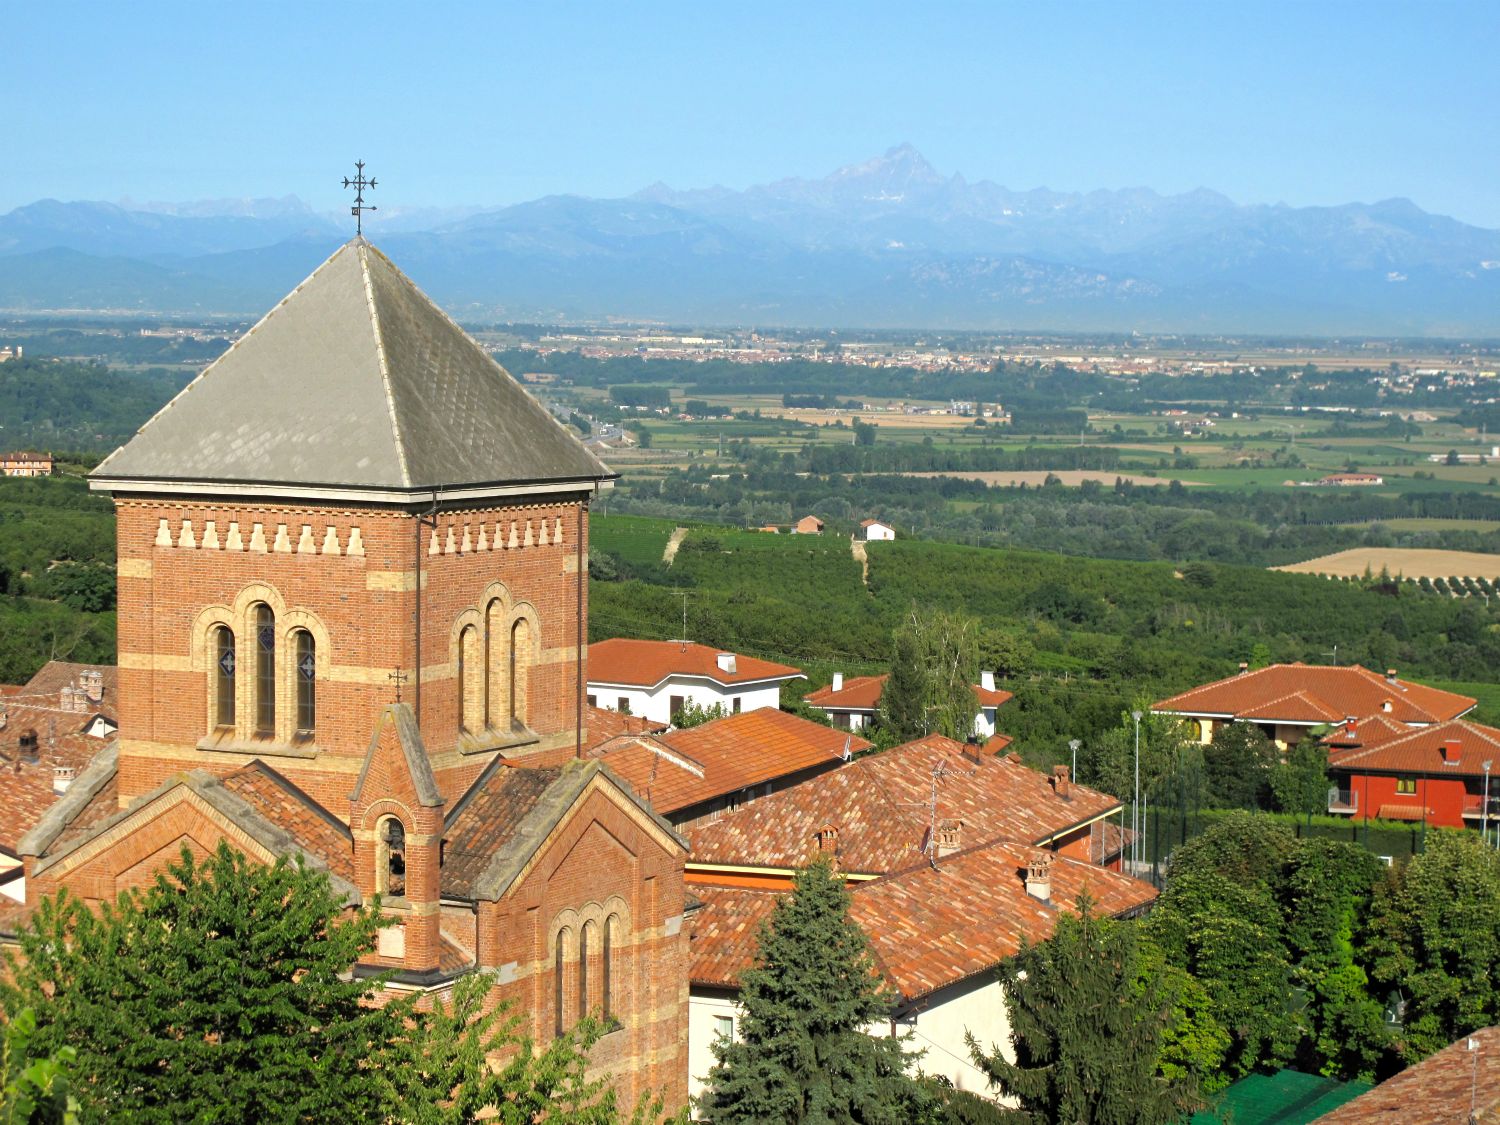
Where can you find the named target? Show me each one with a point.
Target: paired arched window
(223, 675)
(262, 672)
(494, 655)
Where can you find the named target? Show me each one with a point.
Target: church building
(352, 626)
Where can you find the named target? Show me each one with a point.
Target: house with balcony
(1287, 701)
(656, 679)
(1438, 774)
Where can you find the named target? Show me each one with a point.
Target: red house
(1437, 775)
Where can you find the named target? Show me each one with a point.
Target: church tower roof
(355, 386)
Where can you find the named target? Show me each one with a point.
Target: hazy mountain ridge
(884, 242)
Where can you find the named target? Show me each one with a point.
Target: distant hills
(885, 243)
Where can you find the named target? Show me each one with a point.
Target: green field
(639, 540)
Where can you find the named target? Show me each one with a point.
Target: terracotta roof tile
(1315, 693)
(25, 784)
(647, 663)
(879, 805)
(1420, 750)
(316, 830)
(485, 820)
(862, 693)
(681, 768)
(604, 724)
(55, 675)
(1436, 1091)
(928, 927)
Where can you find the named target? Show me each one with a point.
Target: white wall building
(656, 679)
(873, 531)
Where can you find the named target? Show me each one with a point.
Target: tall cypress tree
(803, 1054)
(1086, 1036)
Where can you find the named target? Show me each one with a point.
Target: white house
(851, 703)
(655, 679)
(872, 531)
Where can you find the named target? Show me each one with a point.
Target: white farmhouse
(873, 531)
(656, 679)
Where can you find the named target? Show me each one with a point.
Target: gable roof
(862, 693)
(647, 664)
(1436, 1090)
(605, 724)
(1309, 694)
(409, 739)
(880, 805)
(1420, 750)
(681, 768)
(929, 927)
(405, 401)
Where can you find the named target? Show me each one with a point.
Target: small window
(265, 670)
(724, 1027)
(675, 706)
(520, 669)
(557, 989)
(392, 858)
(307, 684)
(1407, 785)
(607, 969)
(593, 701)
(736, 705)
(224, 664)
(583, 969)
(622, 705)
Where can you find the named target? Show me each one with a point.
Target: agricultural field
(638, 540)
(1070, 477)
(1400, 562)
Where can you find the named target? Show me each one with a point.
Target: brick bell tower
(354, 507)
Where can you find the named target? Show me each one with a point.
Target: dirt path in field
(857, 549)
(678, 535)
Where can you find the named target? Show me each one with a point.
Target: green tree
(1300, 784)
(225, 982)
(1434, 937)
(1238, 764)
(803, 1054)
(692, 714)
(33, 1091)
(1086, 1029)
(934, 665)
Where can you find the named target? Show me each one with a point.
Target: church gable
(396, 767)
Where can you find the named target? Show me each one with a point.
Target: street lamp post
(1135, 814)
(1484, 830)
(1073, 745)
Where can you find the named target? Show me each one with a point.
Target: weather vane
(359, 183)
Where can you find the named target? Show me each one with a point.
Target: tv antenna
(359, 183)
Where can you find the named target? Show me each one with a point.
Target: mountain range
(889, 242)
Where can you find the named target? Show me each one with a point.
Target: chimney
(62, 777)
(828, 840)
(1451, 750)
(1390, 675)
(1039, 877)
(1244, 667)
(1387, 706)
(1062, 782)
(92, 683)
(987, 681)
(949, 838)
(838, 681)
(726, 662)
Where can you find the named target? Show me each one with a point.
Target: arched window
(520, 669)
(496, 709)
(561, 964)
(470, 681)
(606, 969)
(584, 936)
(390, 857)
(307, 683)
(224, 664)
(265, 670)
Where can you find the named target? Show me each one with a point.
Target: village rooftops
(929, 926)
(1461, 1083)
(684, 768)
(862, 693)
(1311, 695)
(879, 809)
(626, 662)
(356, 386)
(1456, 748)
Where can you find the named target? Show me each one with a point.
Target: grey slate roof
(356, 380)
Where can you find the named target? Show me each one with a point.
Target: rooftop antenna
(683, 595)
(359, 183)
(1334, 654)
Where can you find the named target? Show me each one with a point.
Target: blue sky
(1304, 103)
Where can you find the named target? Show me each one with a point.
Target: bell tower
(353, 507)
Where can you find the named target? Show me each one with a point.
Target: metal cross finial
(359, 183)
(398, 678)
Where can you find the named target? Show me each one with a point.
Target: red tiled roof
(26, 786)
(1436, 1091)
(862, 693)
(928, 927)
(1311, 693)
(647, 663)
(682, 768)
(485, 820)
(605, 724)
(1420, 750)
(880, 806)
(58, 674)
(316, 831)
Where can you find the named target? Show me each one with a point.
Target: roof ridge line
(385, 367)
(272, 311)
